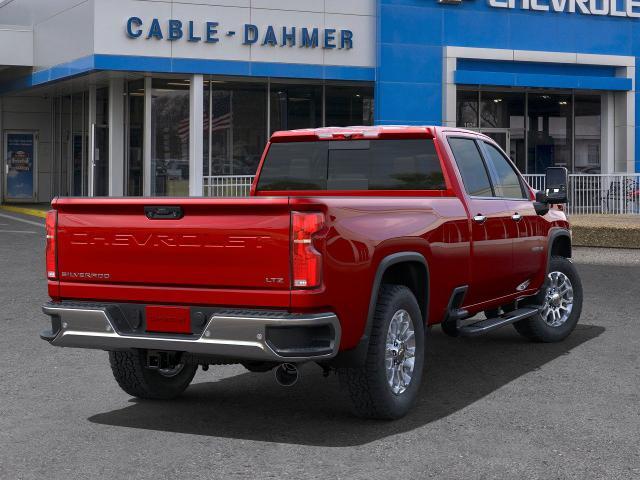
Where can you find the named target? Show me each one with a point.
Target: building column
(146, 140)
(92, 139)
(625, 121)
(196, 126)
(116, 137)
(607, 133)
(449, 91)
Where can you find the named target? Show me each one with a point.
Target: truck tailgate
(214, 244)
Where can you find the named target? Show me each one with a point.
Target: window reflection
(505, 111)
(236, 126)
(347, 106)
(295, 106)
(588, 133)
(467, 109)
(170, 137)
(550, 131)
(236, 119)
(553, 135)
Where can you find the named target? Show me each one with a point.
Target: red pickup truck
(353, 243)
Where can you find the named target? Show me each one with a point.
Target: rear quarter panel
(361, 231)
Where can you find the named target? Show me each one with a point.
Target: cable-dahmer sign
(211, 32)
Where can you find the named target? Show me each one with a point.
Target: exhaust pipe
(287, 374)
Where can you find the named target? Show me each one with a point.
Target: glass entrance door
(79, 143)
(20, 165)
(100, 160)
(100, 134)
(550, 131)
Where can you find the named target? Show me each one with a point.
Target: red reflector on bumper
(168, 319)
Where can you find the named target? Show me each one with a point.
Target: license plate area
(168, 319)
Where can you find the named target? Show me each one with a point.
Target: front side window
(352, 165)
(472, 168)
(507, 181)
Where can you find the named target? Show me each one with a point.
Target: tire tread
(363, 384)
(129, 371)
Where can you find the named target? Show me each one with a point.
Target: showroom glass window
(588, 139)
(295, 106)
(348, 105)
(550, 134)
(562, 128)
(170, 138)
(235, 127)
(467, 108)
(502, 119)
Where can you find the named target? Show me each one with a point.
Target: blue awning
(541, 75)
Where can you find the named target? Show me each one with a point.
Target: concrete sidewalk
(32, 209)
(617, 231)
(622, 257)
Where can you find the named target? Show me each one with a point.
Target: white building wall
(357, 15)
(16, 45)
(31, 12)
(63, 37)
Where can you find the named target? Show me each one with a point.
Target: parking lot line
(16, 231)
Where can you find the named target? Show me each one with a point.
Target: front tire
(561, 301)
(387, 386)
(130, 371)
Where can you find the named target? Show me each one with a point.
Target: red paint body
(237, 252)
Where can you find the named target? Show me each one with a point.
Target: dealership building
(151, 97)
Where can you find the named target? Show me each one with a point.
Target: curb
(24, 211)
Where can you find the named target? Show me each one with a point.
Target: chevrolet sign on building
(138, 98)
(614, 8)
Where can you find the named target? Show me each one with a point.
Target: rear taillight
(306, 260)
(51, 254)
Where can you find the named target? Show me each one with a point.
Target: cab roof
(354, 133)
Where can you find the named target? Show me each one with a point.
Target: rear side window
(507, 181)
(472, 168)
(352, 165)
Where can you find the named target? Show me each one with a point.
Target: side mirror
(541, 204)
(556, 186)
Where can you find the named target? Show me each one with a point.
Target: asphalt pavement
(490, 407)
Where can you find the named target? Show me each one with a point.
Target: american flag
(220, 120)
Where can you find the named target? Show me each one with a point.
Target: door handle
(516, 217)
(164, 213)
(480, 219)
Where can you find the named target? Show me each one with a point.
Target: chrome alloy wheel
(400, 352)
(558, 301)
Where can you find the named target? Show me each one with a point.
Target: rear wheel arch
(390, 270)
(404, 268)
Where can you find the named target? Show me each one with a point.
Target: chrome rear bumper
(234, 335)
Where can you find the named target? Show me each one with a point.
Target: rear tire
(130, 371)
(555, 322)
(380, 389)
